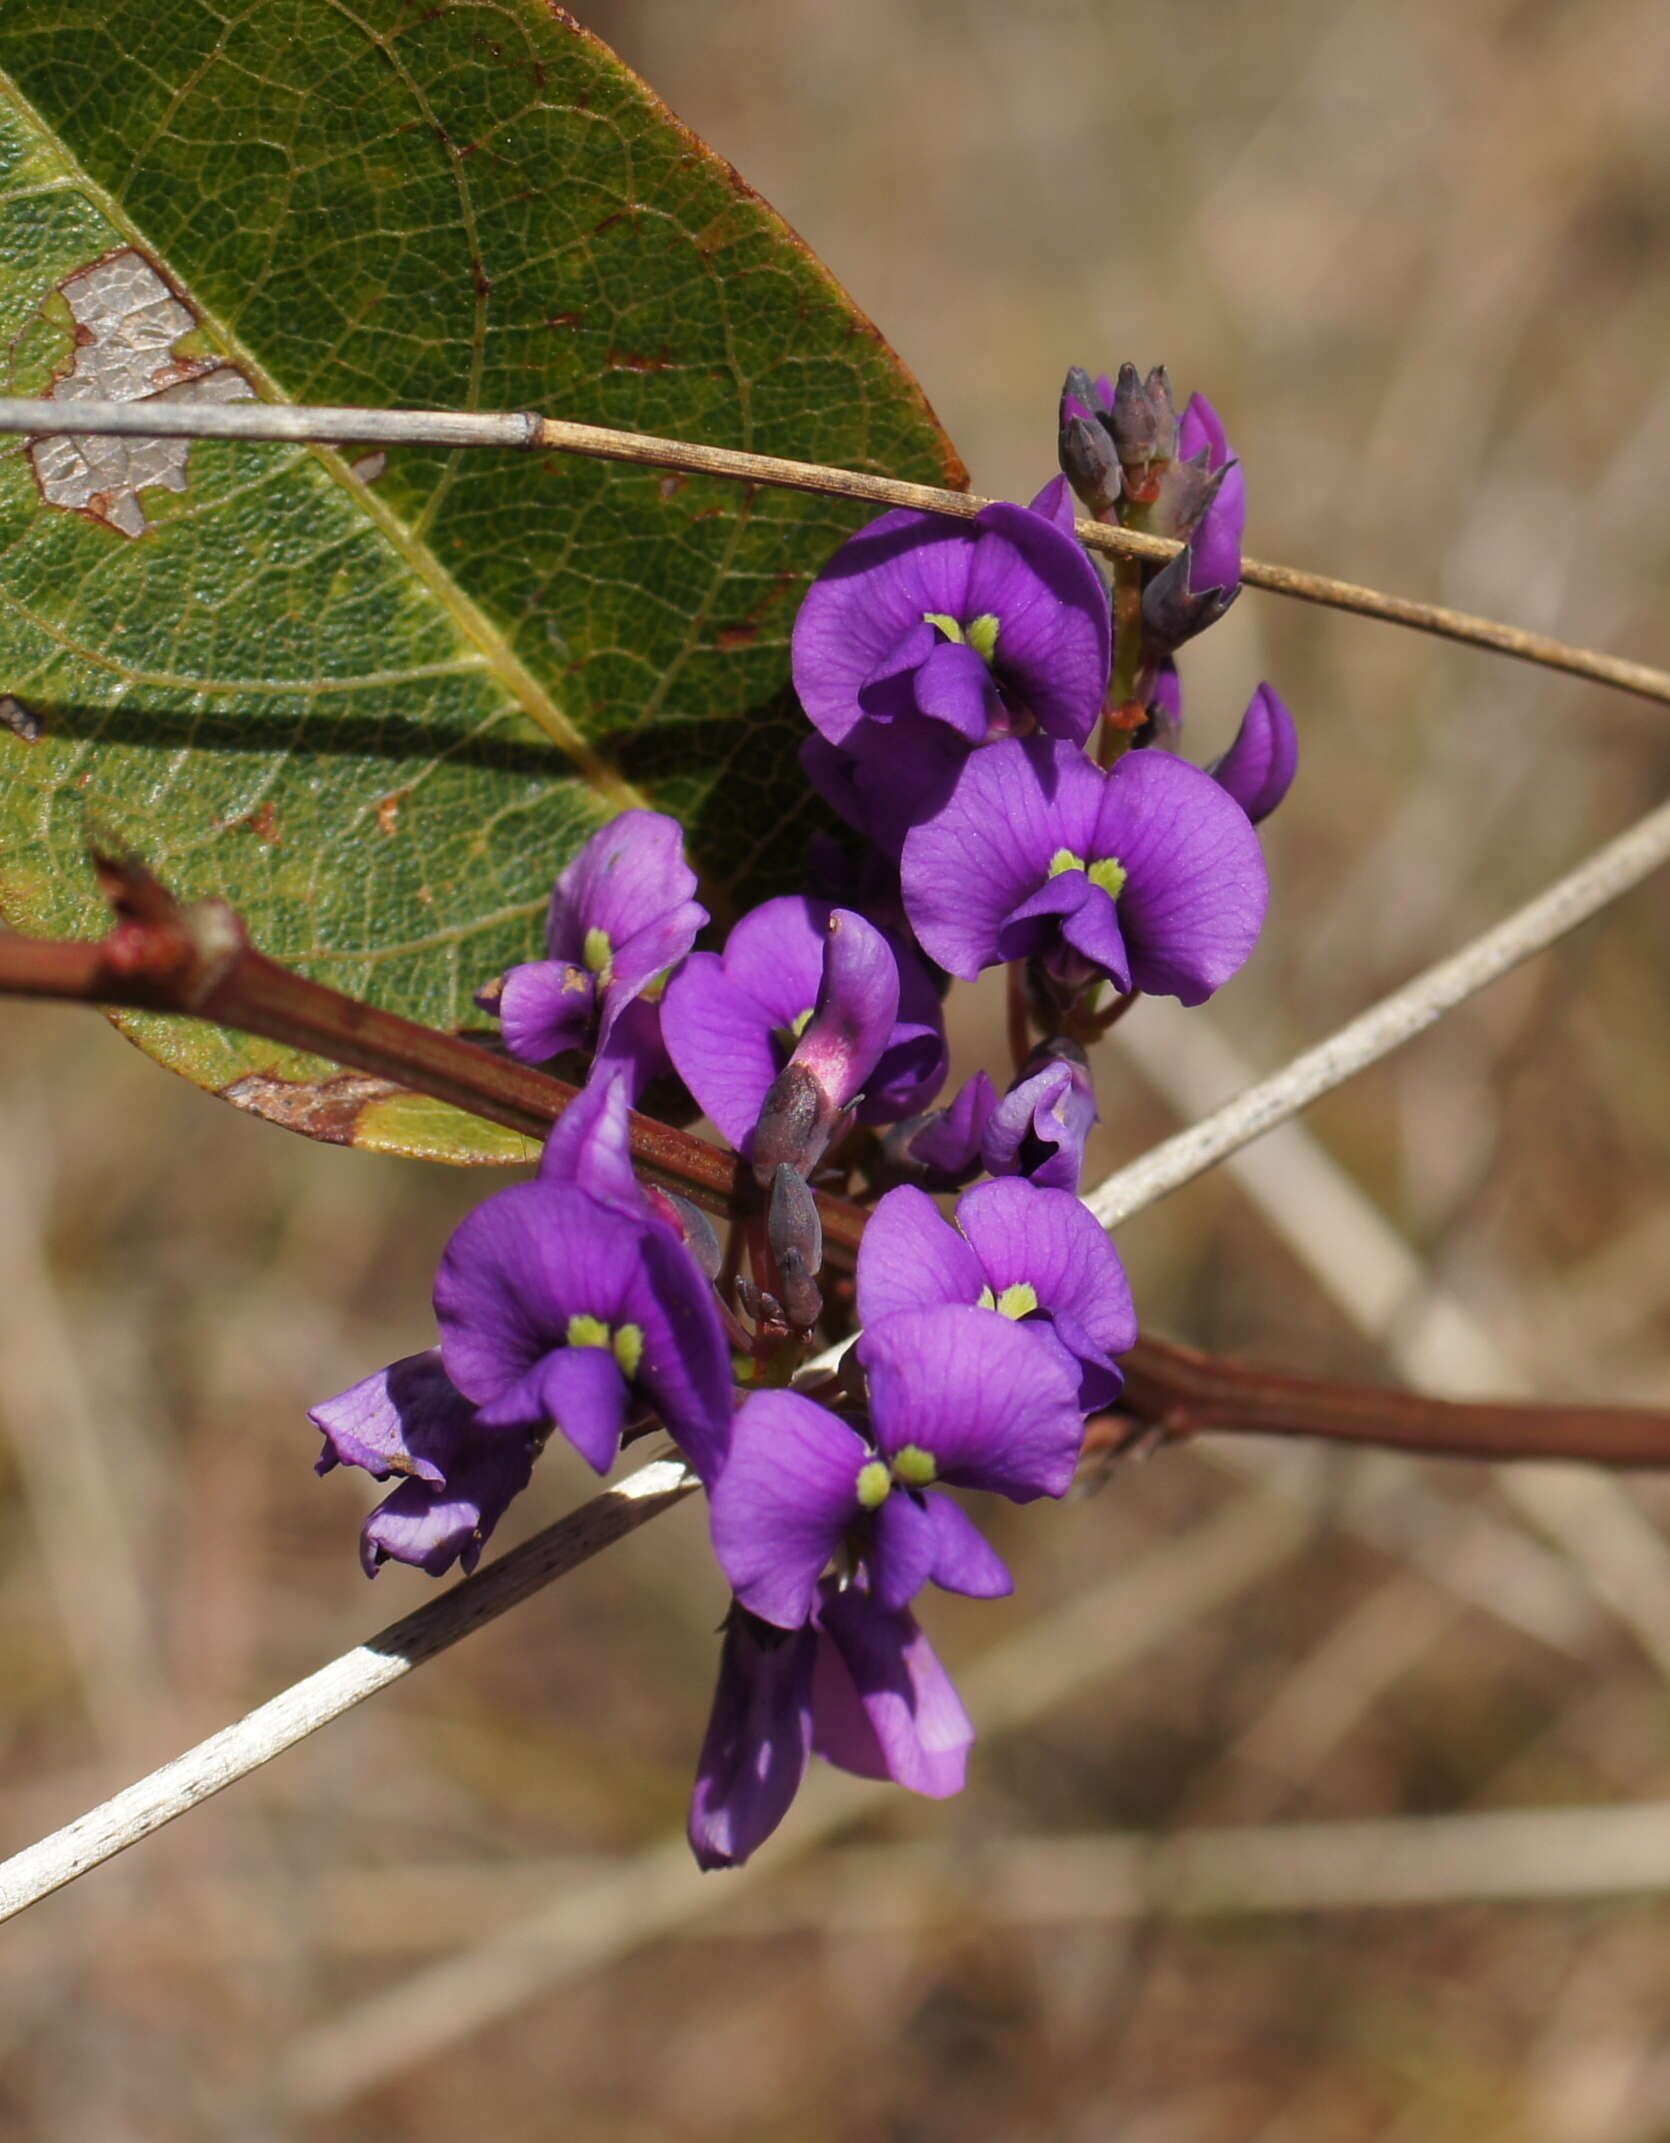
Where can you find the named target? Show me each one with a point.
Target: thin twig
(302, 1709)
(528, 432)
(1396, 1019)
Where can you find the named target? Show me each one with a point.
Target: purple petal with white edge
(629, 874)
(787, 1494)
(758, 1740)
(903, 1545)
(1196, 887)
(1055, 627)
(988, 847)
(1047, 1240)
(720, 1040)
(882, 1705)
(857, 1003)
(434, 1527)
(408, 1418)
(1258, 768)
(1042, 1125)
(993, 1409)
(955, 686)
(964, 1560)
(545, 1007)
(1055, 502)
(911, 1258)
(875, 590)
(590, 1144)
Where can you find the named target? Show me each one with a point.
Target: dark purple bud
(1157, 387)
(795, 1234)
(1186, 492)
(1133, 420)
(690, 1224)
(1085, 447)
(1259, 767)
(1173, 610)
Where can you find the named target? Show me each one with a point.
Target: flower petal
(585, 1395)
(1055, 629)
(964, 1559)
(758, 1740)
(629, 875)
(719, 1038)
(882, 1705)
(590, 1144)
(434, 1526)
(910, 1258)
(995, 1410)
(955, 686)
(903, 1545)
(408, 1418)
(1259, 767)
(787, 1494)
(1047, 1240)
(545, 1007)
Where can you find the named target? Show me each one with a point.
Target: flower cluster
(992, 723)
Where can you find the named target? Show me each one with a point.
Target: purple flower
(456, 1477)
(861, 1685)
(1259, 767)
(969, 624)
(1041, 1127)
(942, 1146)
(559, 1309)
(1148, 874)
(621, 914)
(958, 1396)
(1036, 1256)
(851, 1009)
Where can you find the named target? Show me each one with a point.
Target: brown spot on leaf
(729, 636)
(326, 1109)
(636, 361)
(671, 484)
(369, 467)
(263, 824)
(566, 320)
(388, 811)
(128, 319)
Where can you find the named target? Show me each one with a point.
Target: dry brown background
(1419, 253)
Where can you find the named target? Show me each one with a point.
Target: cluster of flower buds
(967, 685)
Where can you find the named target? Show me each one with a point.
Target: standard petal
(968, 1386)
(878, 587)
(719, 1037)
(1045, 1239)
(629, 875)
(787, 1494)
(882, 1705)
(758, 1740)
(1196, 887)
(911, 1258)
(408, 1418)
(1055, 631)
(658, 946)
(545, 1007)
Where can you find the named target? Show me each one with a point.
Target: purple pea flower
(1039, 1129)
(853, 1011)
(1148, 874)
(1259, 767)
(621, 914)
(972, 625)
(860, 1685)
(957, 1395)
(456, 1478)
(562, 1309)
(1036, 1256)
(1216, 538)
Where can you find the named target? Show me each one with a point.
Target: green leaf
(377, 707)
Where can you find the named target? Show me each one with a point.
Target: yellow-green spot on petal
(599, 953)
(798, 1026)
(914, 1466)
(1065, 860)
(875, 1484)
(982, 635)
(1110, 875)
(584, 1331)
(987, 1300)
(947, 625)
(629, 1348)
(1020, 1300)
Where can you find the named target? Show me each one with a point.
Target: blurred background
(1318, 1796)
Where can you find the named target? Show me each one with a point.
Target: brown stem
(1179, 1392)
(164, 957)
(161, 956)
